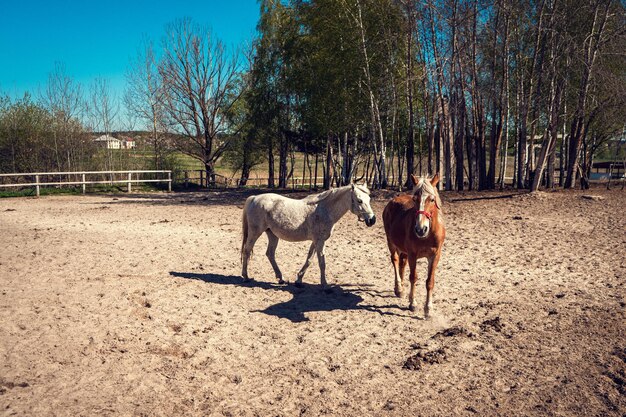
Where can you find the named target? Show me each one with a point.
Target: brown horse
(414, 229)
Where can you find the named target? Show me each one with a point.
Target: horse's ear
(414, 179)
(434, 180)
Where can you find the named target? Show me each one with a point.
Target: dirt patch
(415, 362)
(492, 324)
(453, 331)
(134, 305)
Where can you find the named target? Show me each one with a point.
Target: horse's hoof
(246, 279)
(281, 281)
(412, 308)
(298, 284)
(398, 293)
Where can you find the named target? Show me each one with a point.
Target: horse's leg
(430, 283)
(402, 267)
(253, 235)
(395, 260)
(321, 260)
(413, 280)
(271, 254)
(398, 260)
(403, 261)
(306, 265)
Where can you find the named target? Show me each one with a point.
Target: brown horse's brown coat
(399, 218)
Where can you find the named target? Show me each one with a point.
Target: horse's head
(361, 204)
(427, 203)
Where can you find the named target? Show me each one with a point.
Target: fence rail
(199, 177)
(186, 177)
(83, 174)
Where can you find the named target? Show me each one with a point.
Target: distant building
(608, 169)
(109, 142)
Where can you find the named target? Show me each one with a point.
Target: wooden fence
(115, 177)
(186, 178)
(199, 177)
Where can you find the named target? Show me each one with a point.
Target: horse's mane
(316, 198)
(425, 186)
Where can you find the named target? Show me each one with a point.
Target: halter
(423, 188)
(425, 213)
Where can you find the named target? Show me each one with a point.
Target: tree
(365, 79)
(144, 99)
(247, 149)
(103, 109)
(200, 85)
(596, 37)
(27, 143)
(63, 99)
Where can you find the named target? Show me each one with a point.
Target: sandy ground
(133, 305)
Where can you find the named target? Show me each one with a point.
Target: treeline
(34, 138)
(53, 129)
(452, 86)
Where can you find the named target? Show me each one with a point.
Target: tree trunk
(316, 164)
(328, 171)
(503, 103)
(283, 155)
(270, 164)
(594, 39)
(550, 138)
(478, 119)
(410, 136)
(445, 130)
(209, 168)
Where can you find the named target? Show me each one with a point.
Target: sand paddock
(133, 305)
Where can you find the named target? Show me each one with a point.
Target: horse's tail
(244, 227)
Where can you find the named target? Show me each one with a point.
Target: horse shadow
(305, 299)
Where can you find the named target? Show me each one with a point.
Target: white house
(108, 142)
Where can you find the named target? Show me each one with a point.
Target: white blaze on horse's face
(422, 225)
(424, 203)
(361, 205)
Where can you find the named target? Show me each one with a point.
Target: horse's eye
(359, 200)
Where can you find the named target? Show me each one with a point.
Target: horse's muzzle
(421, 232)
(370, 222)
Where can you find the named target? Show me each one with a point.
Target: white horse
(311, 218)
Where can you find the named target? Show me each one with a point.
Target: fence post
(37, 186)
(186, 179)
(169, 181)
(84, 185)
(130, 175)
(201, 178)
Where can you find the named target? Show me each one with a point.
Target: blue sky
(98, 38)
